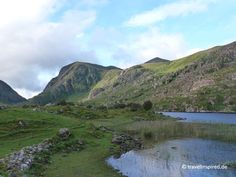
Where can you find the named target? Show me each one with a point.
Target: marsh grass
(163, 130)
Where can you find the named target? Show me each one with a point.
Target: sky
(38, 37)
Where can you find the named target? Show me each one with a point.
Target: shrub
(119, 106)
(147, 105)
(148, 135)
(134, 106)
(62, 103)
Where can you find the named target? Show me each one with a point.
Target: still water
(175, 158)
(204, 117)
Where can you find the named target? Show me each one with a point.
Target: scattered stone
(202, 83)
(50, 104)
(3, 107)
(22, 123)
(127, 142)
(23, 159)
(105, 129)
(64, 133)
(60, 111)
(12, 175)
(18, 162)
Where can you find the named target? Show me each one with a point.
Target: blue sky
(39, 37)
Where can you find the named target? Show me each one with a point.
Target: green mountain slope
(8, 95)
(204, 81)
(73, 82)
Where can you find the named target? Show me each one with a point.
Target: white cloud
(178, 8)
(32, 44)
(27, 93)
(14, 11)
(148, 45)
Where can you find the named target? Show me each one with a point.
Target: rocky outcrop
(23, 159)
(127, 142)
(18, 162)
(202, 83)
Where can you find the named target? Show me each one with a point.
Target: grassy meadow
(87, 124)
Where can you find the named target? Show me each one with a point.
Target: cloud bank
(32, 45)
(174, 9)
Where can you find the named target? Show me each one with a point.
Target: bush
(134, 106)
(62, 103)
(148, 135)
(147, 105)
(119, 106)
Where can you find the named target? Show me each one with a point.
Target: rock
(64, 133)
(3, 107)
(2, 161)
(202, 83)
(22, 123)
(60, 111)
(104, 129)
(127, 142)
(23, 159)
(117, 139)
(50, 104)
(12, 175)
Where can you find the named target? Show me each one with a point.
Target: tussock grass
(162, 130)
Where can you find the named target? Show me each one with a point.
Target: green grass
(175, 65)
(87, 163)
(39, 126)
(108, 78)
(77, 97)
(84, 124)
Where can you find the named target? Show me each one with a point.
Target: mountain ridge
(195, 82)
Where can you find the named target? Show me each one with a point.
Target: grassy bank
(20, 127)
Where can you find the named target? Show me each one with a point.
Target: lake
(204, 117)
(178, 158)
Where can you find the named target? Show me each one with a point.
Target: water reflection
(166, 159)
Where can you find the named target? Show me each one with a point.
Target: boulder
(127, 142)
(64, 133)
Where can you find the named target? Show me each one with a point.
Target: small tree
(147, 105)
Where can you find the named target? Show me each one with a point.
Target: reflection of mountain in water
(166, 159)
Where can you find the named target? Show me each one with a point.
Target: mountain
(204, 81)
(73, 82)
(157, 60)
(8, 95)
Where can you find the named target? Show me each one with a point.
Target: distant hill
(8, 95)
(204, 81)
(157, 60)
